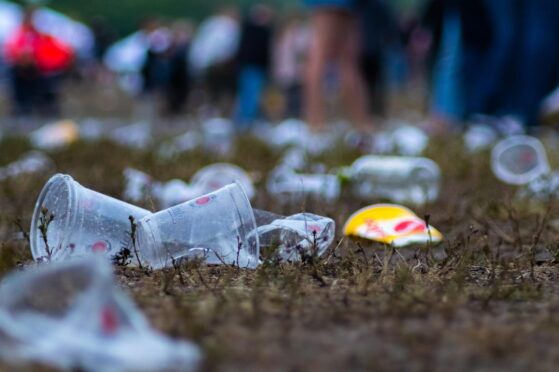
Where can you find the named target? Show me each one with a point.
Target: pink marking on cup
(109, 320)
(100, 247)
(203, 200)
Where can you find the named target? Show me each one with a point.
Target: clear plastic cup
(72, 315)
(519, 160)
(218, 227)
(84, 221)
(288, 186)
(215, 176)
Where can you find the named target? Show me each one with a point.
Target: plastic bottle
(399, 179)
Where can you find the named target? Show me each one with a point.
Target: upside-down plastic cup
(218, 227)
(84, 222)
(519, 160)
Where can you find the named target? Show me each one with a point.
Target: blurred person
(521, 65)
(379, 35)
(461, 35)
(178, 85)
(290, 55)
(37, 62)
(155, 68)
(253, 58)
(212, 56)
(335, 39)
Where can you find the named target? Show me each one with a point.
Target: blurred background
(436, 63)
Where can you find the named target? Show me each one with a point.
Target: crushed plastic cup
(218, 135)
(287, 185)
(400, 179)
(519, 160)
(218, 227)
(30, 162)
(291, 239)
(136, 135)
(55, 135)
(84, 222)
(390, 224)
(215, 176)
(72, 315)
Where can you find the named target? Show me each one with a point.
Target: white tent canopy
(49, 21)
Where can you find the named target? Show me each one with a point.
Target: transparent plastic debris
(294, 158)
(400, 179)
(519, 160)
(136, 135)
(72, 315)
(218, 136)
(84, 222)
(409, 140)
(137, 185)
(91, 129)
(542, 188)
(292, 238)
(288, 132)
(390, 224)
(31, 162)
(286, 185)
(174, 192)
(218, 227)
(479, 137)
(180, 144)
(218, 175)
(55, 135)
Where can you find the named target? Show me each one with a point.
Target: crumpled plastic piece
(72, 315)
(391, 224)
(30, 162)
(297, 235)
(295, 132)
(542, 188)
(55, 135)
(218, 136)
(185, 142)
(287, 185)
(479, 137)
(136, 135)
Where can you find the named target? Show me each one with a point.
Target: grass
(485, 299)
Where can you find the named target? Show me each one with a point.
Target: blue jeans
(252, 80)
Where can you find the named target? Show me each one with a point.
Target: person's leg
(537, 56)
(329, 29)
(353, 88)
(251, 86)
(487, 90)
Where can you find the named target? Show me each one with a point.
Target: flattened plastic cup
(219, 227)
(85, 221)
(519, 160)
